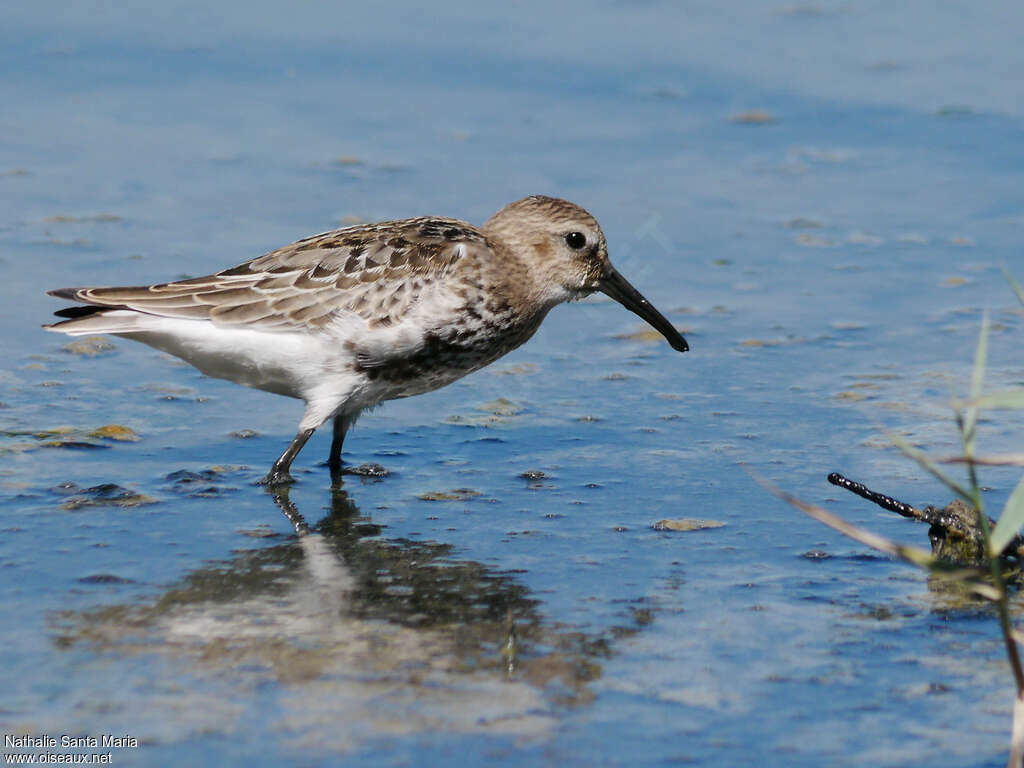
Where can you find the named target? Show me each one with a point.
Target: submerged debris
(535, 479)
(373, 471)
(104, 578)
(205, 483)
(103, 495)
(954, 532)
(533, 475)
(816, 554)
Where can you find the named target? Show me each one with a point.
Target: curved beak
(615, 285)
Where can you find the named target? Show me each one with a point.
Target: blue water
(829, 262)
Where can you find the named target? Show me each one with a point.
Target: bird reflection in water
(354, 635)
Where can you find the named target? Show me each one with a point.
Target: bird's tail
(92, 318)
(85, 321)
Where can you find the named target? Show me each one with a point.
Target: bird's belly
(443, 361)
(282, 363)
(428, 378)
(318, 367)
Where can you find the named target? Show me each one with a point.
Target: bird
(350, 318)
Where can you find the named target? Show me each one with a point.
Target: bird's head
(566, 255)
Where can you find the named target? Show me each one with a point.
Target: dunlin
(349, 318)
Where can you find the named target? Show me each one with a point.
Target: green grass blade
(994, 460)
(1017, 737)
(921, 458)
(1011, 521)
(1008, 399)
(1015, 285)
(977, 379)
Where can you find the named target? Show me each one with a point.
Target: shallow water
(821, 196)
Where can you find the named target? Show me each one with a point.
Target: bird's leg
(341, 425)
(278, 474)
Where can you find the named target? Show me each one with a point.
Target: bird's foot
(277, 477)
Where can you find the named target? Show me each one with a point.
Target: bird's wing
(376, 271)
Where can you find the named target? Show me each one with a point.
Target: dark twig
(939, 517)
(885, 502)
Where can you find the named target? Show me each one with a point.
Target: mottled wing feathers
(376, 271)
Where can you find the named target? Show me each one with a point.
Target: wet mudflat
(563, 558)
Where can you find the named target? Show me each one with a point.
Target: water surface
(820, 196)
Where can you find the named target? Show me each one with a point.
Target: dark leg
(279, 472)
(341, 425)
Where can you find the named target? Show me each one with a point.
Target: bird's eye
(575, 240)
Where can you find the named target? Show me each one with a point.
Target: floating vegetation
(754, 117)
(456, 494)
(840, 325)
(115, 432)
(518, 369)
(851, 397)
(39, 434)
(89, 346)
(168, 391)
(686, 524)
(494, 412)
(648, 335)
(955, 110)
(101, 218)
(501, 407)
(66, 437)
(802, 222)
(814, 241)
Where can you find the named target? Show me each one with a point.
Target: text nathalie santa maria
(66, 741)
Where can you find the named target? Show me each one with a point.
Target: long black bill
(615, 285)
